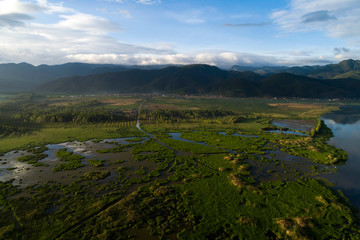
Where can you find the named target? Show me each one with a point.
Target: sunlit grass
(58, 133)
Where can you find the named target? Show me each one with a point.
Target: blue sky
(222, 33)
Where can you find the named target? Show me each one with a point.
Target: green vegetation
(141, 171)
(191, 147)
(96, 163)
(73, 160)
(32, 159)
(316, 147)
(153, 149)
(134, 140)
(221, 179)
(71, 165)
(238, 143)
(351, 74)
(310, 82)
(316, 129)
(94, 176)
(167, 116)
(28, 118)
(297, 210)
(120, 148)
(65, 155)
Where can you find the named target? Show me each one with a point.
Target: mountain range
(340, 80)
(24, 76)
(344, 69)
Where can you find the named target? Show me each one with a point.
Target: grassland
(257, 107)
(62, 133)
(161, 187)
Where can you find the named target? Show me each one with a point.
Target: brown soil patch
(121, 102)
(162, 106)
(63, 103)
(295, 105)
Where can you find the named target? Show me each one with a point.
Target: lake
(345, 124)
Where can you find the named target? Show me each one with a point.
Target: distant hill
(290, 85)
(334, 80)
(105, 82)
(24, 76)
(333, 70)
(204, 79)
(329, 71)
(351, 74)
(264, 71)
(194, 79)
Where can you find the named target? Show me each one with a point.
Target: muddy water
(177, 136)
(141, 130)
(10, 168)
(298, 125)
(288, 132)
(295, 125)
(25, 174)
(238, 134)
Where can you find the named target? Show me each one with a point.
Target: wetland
(150, 167)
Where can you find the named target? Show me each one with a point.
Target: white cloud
(338, 19)
(94, 58)
(118, 11)
(73, 35)
(243, 16)
(145, 2)
(317, 16)
(223, 59)
(15, 6)
(148, 2)
(87, 23)
(227, 59)
(191, 16)
(195, 16)
(125, 13)
(342, 53)
(13, 19)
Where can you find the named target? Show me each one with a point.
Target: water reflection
(177, 136)
(346, 128)
(11, 168)
(347, 115)
(298, 125)
(288, 132)
(291, 126)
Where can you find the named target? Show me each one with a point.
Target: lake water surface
(345, 125)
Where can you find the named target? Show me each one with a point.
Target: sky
(149, 32)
